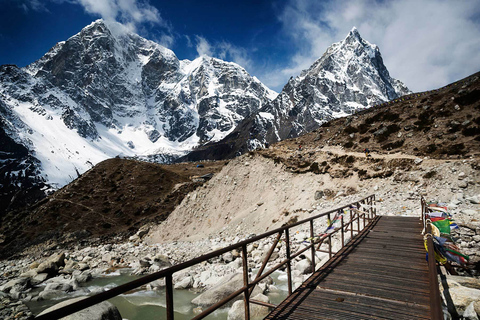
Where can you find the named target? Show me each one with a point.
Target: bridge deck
(381, 274)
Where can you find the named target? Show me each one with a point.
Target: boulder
(237, 311)
(228, 257)
(222, 290)
(469, 313)
(463, 296)
(51, 294)
(62, 286)
(58, 259)
(39, 278)
(185, 283)
(83, 277)
(48, 267)
(19, 283)
(29, 274)
(101, 311)
(304, 266)
(474, 199)
(161, 261)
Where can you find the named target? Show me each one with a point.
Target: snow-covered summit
(349, 76)
(106, 91)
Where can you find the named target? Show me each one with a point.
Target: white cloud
(223, 50)
(166, 40)
(424, 43)
(203, 47)
(128, 12)
(34, 5)
(239, 55)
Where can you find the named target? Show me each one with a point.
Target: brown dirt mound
(115, 198)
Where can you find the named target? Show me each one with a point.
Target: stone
(143, 231)
(58, 259)
(101, 311)
(83, 277)
(51, 294)
(62, 286)
(476, 305)
(19, 282)
(222, 290)
(469, 282)
(473, 199)
(228, 257)
(319, 195)
(39, 278)
(418, 161)
(304, 266)
(134, 238)
(47, 267)
(29, 274)
(463, 184)
(162, 261)
(144, 263)
(237, 311)
(469, 313)
(463, 296)
(185, 283)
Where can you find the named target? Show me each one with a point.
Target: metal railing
(436, 311)
(359, 212)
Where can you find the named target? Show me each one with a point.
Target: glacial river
(145, 305)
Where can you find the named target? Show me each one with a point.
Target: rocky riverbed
(218, 215)
(60, 274)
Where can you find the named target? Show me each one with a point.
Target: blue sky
(424, 43)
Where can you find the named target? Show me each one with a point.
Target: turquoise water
(145, 305)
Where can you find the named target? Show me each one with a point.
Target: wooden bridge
(381, 273)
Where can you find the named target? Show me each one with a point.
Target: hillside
(115, 198)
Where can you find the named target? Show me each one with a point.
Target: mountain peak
(354, 35)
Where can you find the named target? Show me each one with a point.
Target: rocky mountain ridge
(349, 77)
(107, 92)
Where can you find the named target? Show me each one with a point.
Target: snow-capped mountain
(349, 76)
(106, 92)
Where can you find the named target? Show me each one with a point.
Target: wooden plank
(382, 275)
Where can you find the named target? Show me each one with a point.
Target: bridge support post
(289, 263)
(246, 293)
(312, 241)
(169, 296)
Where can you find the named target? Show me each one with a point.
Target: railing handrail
(167, 273)
(436, 311)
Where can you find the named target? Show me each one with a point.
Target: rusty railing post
(169, 296)
(289, 263)
(343, 233)
(330, 246)
(313, 245)
(351, 223)
(246, 295)
(265, 261)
